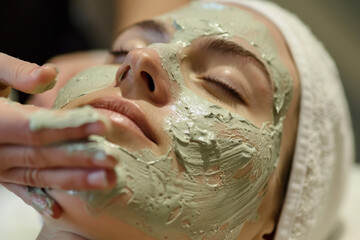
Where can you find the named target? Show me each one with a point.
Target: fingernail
(99, 156)
(98, 179)
(56, 211)
(100, 159)
(43, 202)
(36, 71)
(51, 66)
(44, 86)
(44, 205)
(95, 128)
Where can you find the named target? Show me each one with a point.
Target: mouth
(124, 114)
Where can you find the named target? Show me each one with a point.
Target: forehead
(204, 19)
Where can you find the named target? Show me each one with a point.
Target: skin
(26, 158)
(68, 65)
(18, 167)
(156, 106)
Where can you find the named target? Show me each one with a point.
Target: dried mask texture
(226, 160)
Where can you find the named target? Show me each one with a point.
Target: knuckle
(30, 177)
(19, 70)
(22, 70)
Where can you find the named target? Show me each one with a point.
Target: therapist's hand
(33, 158)
(69, 65)
(30, 157)
(24, 76)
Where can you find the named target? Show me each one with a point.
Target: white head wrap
(324, 146)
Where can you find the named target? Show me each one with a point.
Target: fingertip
(97, 179)
(100, 159)
(51, 67)
(97, 128)
(102, 179)
(45, 71)
(45, 78)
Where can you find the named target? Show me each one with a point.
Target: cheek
(227, 162)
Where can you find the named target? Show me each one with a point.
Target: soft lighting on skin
(226, 159)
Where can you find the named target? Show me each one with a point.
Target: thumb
(24, 76)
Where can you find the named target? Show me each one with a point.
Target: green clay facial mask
(90, 80)
(226, 159)
(72, 118)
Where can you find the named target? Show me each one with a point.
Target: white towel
(324, 147)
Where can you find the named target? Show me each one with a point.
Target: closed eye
(212, 82)
(119, 55)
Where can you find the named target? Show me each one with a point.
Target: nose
(141, 76)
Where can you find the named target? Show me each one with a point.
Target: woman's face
(197, 100)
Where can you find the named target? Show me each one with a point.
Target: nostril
(124, 75)
(121, 75)
(146, 76)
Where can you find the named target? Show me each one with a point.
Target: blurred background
(40, 29)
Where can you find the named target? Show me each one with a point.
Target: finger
(69, 64)
(24, 76)
(61, 178)
(15, 125)
(43, 203)
(50, 136)
(50, 157)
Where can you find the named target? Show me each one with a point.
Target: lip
(131, 115)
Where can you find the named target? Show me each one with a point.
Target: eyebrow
(230, 47)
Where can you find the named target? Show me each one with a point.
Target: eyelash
(227, 88)
(119, 55)
(119, 52)
(232, 92)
